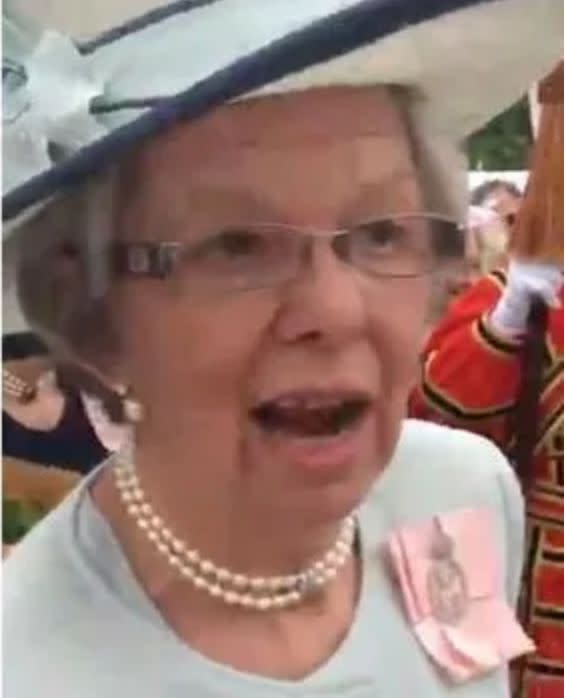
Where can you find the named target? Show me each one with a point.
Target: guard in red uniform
(473, 376)
(471, 379)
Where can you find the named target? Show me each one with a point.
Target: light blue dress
(78, 625)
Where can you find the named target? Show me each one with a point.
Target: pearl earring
(132, 409)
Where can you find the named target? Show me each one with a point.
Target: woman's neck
(287, 644)
(229, 524)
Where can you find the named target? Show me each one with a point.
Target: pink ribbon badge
(450, 579)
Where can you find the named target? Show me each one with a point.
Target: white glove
(525, 280)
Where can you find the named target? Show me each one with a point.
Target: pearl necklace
(256, 593)
(16, 387)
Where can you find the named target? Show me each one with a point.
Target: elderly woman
(246, 291)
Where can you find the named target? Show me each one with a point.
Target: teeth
(329, 403)
(310, 415)
(308, 403)
(288, 403)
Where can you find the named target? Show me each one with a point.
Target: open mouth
(309, 415)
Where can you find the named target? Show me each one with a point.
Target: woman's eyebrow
(397, 192)
(228, 205)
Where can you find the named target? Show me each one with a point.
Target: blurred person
(484, 244)
(41, 422)
(487, 242)
(500, 196)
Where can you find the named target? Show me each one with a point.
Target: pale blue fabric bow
(47, 89)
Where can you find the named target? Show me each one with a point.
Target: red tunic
(471, 378)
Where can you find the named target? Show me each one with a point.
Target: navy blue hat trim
(139, 23)
(321, 41)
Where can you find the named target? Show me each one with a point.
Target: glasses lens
(243, 257)
(259, 256)
(403, 246)
(448, 239)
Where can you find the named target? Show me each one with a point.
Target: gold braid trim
(499, 278)
(494, 342)
(553, 422)
(453, 408)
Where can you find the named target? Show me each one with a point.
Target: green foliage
(18, 519)
(505, 142)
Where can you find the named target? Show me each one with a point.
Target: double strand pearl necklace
(255, 593)
(16, 387)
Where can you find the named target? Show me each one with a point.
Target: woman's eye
(382, 235)
(242, 242)
(233, 244)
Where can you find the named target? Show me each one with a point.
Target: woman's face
(234, 384)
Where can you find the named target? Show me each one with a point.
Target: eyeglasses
(247, 257)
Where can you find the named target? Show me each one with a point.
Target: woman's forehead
(316, 114)
(275, 150)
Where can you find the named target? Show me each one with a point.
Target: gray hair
(64, 273)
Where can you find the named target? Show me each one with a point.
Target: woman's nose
(325, 303)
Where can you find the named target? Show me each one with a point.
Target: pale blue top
(78, 625)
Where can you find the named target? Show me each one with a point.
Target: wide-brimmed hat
(73, 106)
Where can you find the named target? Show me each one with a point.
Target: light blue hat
(73, 106)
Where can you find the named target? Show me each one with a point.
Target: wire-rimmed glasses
(244, 257)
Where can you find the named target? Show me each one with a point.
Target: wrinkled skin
(322, 159)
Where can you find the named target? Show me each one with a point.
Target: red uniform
(471, 378)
